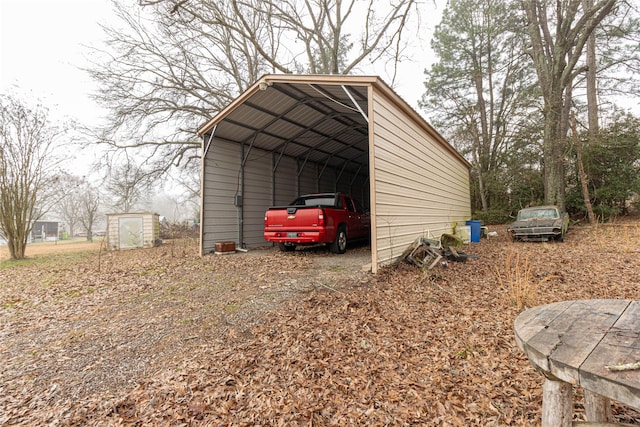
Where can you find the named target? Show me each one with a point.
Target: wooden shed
(293, 134)
(133, 230)
(45, 230)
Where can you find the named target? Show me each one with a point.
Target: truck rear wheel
(286, 248)
(339, 245)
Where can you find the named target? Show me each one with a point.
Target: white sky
(44, 42)
(41, 48)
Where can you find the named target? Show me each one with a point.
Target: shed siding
(150, 229)
(257, 196)
(421, 188)
(286, 182)
(308, 179)
(220, 184)
(327, 181)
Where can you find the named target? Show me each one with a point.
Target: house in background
(294, 134)
(45, 231)
(133, 230)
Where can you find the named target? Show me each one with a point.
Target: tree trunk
(553, 153)
(592, 94)
(583, 175)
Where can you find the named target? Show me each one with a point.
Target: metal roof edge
(269, 79)
(336, 79)
(409, 110)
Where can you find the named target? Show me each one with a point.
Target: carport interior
(314, 137)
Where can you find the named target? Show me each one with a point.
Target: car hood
(544, 222)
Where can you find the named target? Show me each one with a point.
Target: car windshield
(315, 201)
(544, 213)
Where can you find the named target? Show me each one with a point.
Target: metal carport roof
(320, 119)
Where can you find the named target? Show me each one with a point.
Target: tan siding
(150, 229)
(220, 184)
(421, 188)
(113, 235)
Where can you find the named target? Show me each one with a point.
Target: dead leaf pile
(155, 337)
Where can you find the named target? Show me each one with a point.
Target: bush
(178, 230)
(493, 216)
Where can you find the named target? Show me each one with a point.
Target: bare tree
(68, 206)
(89, 208)
(78, 203)
(558, 32)
(26, 170)
(170, 65)
(127, 184)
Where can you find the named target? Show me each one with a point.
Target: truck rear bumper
(297, 237)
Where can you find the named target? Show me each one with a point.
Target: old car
(539, 223)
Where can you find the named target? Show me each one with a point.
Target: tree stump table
(594, 344)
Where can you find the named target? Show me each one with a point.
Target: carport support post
(240, 205)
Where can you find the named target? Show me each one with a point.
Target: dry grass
(519, 280)
(58, 247)
(621, 238)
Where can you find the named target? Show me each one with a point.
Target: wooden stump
(557, 403)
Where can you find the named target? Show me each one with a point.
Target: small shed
(133, 230)
(294, 134)
(45, 230)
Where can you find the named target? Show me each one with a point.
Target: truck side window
(350, 206)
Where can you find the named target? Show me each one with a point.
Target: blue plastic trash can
(475, 229)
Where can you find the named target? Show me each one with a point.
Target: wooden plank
(531, 322)
(557, 404)
(571, 337)
(596, 408)
(621, 344)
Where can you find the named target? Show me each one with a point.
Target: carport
(294, 134)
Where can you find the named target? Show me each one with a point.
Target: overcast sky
(44, 42)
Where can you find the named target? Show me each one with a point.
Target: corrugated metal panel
(327, 181)
(286, 186)
(220, 185)
(256, 197)
(421, 189)
(317, 123)
(308, 181)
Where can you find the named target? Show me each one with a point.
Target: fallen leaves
(302, 338)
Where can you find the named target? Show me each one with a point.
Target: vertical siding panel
(308, 179)
(256, 197)
(221, 182)
(421, 188)
(113, 235)
(327, 182)
(150, 228)
(285, 189)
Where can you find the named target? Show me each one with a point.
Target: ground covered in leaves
(163, 337)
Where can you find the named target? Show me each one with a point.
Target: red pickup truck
(331, 218)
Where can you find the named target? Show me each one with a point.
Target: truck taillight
(320, 217)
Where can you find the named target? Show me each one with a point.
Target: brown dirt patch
(163, 337)
(50, 248)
